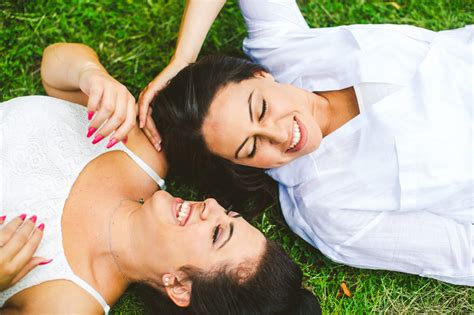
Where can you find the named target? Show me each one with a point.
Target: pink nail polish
(22, 217)
(90, 114)
(111, 143)
(3, 217)
(41, 227)
(33, 218)
(124, 141)
(45, 262)
(97, 139)
(91, 131)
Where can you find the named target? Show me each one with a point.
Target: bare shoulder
(53, 297)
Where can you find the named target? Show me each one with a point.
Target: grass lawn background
(135, 39)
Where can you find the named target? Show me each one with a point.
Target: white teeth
(183, 211)
(296, 135)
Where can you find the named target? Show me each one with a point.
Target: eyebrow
(230, 235)
(251, 119)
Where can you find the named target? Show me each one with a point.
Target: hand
(110, 103)
(19, 240)
(147, 95)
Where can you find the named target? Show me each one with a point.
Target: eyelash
(264, 110)
(217, 229)
(216, 234)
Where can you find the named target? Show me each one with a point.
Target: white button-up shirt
(393, 188)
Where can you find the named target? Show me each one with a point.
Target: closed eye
(254, 149)
(216, 233)
(264, 110)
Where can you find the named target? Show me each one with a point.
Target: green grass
(135, 39)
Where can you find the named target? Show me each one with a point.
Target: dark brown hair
(274, 288)
(179, 111)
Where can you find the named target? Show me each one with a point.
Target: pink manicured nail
(33, 218)
(97, 139)
(3, 217)
(124, 141)
(91, 131)
(90, 114)
(111, 143)
(23, 217)
(45, 262)
(41, 227)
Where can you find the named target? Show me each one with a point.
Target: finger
(150, 137)
(118, 117)
(10, 228)
(2, 219)
(95, 96)
(34, 262)
(27, 251)
(106, 110)
(152, 126)
(143, 104)
(20, 238)
(127, 126)
(154, 135)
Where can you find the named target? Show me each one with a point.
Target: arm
(197, 19)
(73, 72)
(420, 242)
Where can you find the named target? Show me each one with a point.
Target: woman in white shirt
(105, 224)
(374, 168)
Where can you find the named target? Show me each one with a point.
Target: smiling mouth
(298, 136)
(183, 212)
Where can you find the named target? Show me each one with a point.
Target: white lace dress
(43, 148)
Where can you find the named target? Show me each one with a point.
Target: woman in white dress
(366, 128)
(105, 224)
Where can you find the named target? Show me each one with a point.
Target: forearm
(197, 19)
(63, 64)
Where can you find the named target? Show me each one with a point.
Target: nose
(208, 207)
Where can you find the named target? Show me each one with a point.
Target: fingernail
(41, 227)
(90, 114)
(23, 217)
(111, 143)
(91, 131)
(33, 218)
(97, 139)
(124, 141)
(158, 147)
(142, 124)
(3, 217)
(45, 262)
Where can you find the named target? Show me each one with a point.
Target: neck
(335, 108)
(322, 112)
(124, 244)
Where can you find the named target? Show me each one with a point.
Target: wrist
(181, 60)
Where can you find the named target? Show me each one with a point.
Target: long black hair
(274, 288)
(179, 111)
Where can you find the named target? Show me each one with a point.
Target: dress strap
(145, 167)
(88, 288)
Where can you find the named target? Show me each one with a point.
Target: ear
(264, 74)
(178, 291)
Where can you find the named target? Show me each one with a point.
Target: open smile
(298, 136)
(182, 211)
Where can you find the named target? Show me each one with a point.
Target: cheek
(314, 139)
(269, 157)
